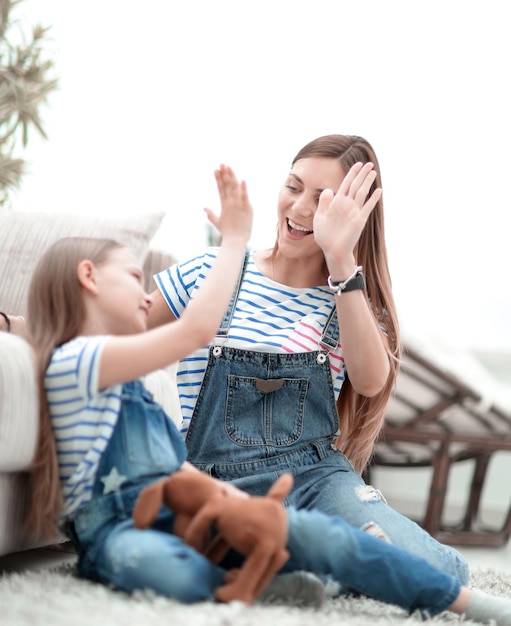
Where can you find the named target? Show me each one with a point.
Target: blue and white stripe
(83, 418)
(269, 317)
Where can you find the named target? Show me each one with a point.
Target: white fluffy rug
(56, 597)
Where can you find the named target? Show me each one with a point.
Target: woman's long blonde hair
(55, 314)
(361, 418)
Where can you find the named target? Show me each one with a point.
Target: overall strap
(223, 331)
(330, 335)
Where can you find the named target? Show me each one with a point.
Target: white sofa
(23, 238)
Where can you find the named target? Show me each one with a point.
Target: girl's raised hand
(235, 219)
(340, 218)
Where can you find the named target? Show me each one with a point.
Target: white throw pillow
(24, 236)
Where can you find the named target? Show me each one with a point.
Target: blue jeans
(145, 446)
(131, 559)
(260, 414)
(365, 564)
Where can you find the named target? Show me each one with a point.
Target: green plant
(25, 83)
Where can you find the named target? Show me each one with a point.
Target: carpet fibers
(57, 597)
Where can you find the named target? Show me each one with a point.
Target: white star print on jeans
(112, 481)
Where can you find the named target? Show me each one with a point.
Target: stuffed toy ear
(148, 504)
(281, 487)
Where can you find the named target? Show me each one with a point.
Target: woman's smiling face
(298, 202)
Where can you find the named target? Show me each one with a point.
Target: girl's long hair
(361, 418)
(55, 314)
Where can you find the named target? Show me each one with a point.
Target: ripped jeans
(145, 446)
(130, 559)
(330, 484)
(261, 414)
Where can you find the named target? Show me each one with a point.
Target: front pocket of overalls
(268, 413)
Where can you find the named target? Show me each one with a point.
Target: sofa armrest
(18, 404)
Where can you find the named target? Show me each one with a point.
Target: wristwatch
(355, 281)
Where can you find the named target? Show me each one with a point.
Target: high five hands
(236, 215)
(341, 217)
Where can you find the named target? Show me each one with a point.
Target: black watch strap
(355, 283)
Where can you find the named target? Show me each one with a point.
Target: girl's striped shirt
(83, 417)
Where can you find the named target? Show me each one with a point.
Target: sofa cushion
(18, 404)
(24, 236)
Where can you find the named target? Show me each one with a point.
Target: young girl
(103, 437)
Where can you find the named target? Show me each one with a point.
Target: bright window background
(154, 95)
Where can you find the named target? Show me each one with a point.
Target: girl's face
(123, 304)
(298, 202)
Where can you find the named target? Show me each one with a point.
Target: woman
(302, 367)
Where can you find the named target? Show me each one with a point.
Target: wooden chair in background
(436, 420)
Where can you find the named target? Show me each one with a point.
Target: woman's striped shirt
(269, 317)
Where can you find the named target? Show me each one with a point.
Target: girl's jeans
(145, 446)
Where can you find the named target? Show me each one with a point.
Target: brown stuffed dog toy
(256, 526)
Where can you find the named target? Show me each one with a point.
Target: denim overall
(259, 414)
(145, 446)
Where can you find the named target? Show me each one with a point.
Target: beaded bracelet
(7, 321)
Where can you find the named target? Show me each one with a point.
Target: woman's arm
(363, 344)
(125, 358)
(160, 312)
(338, 224)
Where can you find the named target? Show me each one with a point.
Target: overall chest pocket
(265, 412)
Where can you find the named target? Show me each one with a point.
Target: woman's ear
(86, 273)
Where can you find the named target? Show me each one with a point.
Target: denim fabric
(145, 446)
(259, 414)
(367, 565)
(260, 424)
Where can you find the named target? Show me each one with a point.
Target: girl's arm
(338, 224)
(126, 358)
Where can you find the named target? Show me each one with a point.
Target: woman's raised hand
(341, 217)
(235, 219)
